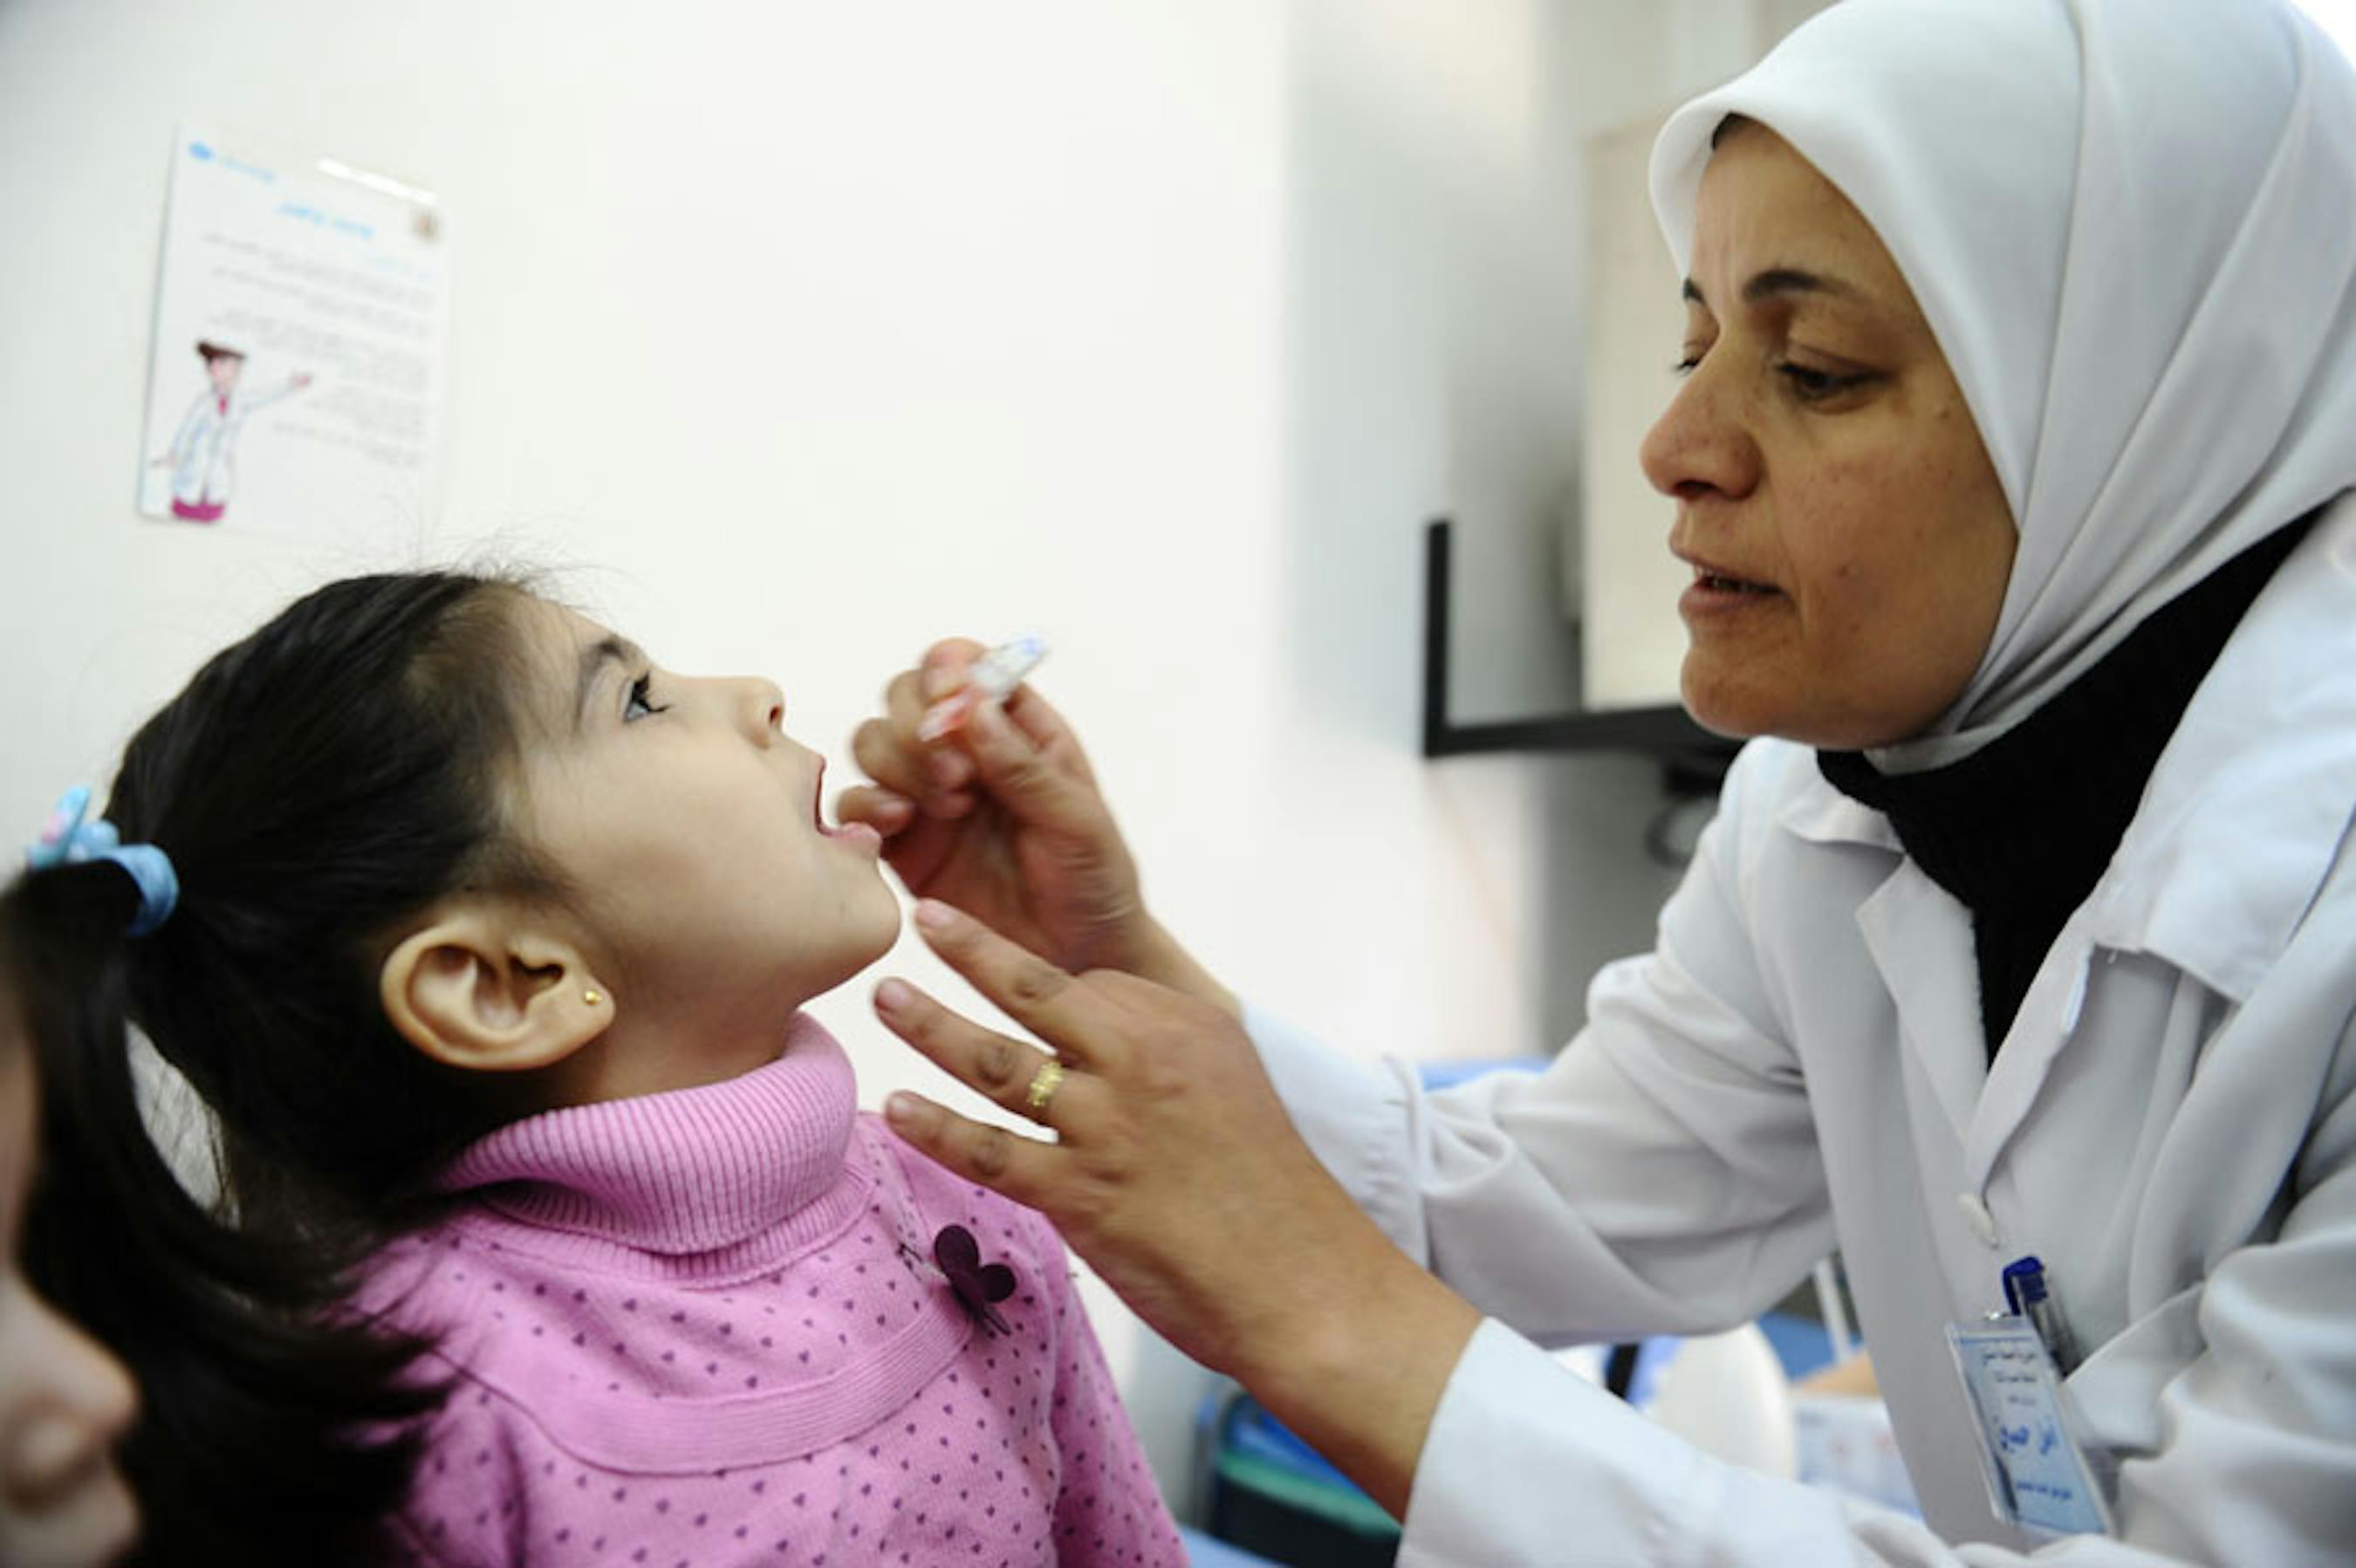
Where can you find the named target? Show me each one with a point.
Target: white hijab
(2132, 226)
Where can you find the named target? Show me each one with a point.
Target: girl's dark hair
(315, 786)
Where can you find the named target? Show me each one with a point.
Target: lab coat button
(1977, 1216)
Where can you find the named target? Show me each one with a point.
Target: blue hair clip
(68, 840)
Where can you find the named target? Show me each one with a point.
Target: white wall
(808, 332)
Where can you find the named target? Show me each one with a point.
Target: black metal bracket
(1694, 758)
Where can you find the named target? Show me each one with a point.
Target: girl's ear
(492, 991)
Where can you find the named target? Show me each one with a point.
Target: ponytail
(258, 1395)
(314, 786)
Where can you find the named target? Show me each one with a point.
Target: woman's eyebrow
(1792, 280)
(1776, 281)
(594, 658)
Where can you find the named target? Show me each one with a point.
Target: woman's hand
(1178, 1175)
(1002, 816)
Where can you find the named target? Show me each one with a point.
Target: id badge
(2037, 1474)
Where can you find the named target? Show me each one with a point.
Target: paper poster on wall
(297, 367)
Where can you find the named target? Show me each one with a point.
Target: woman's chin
(1746, 709)
(1718, 706)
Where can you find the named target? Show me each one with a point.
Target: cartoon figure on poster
(204, 451)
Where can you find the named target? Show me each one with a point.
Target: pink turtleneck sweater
(689, 1331)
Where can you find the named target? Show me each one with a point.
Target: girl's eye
(1813, 386)
(642, 702)
(1685, 364)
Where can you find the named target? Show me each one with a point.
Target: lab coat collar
(2247, 807)
(1822, 814)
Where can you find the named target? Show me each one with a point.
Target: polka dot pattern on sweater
(1000, 1451)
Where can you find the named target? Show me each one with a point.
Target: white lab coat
(204, 449)
(2170, 1126)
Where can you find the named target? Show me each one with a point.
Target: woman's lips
(1717, 593)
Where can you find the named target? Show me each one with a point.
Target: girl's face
(223, 369)
(1849, 540)
(64, 1400)
(686, 826)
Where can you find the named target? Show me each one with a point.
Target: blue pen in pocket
(2025, 1292)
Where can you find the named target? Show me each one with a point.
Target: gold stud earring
(591, 997)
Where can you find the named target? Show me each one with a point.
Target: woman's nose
(1699, 444)
(72, 1402)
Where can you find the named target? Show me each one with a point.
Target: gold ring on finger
(1044, 1084)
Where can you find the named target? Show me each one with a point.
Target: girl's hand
(1002, 816)
(1177, 1174)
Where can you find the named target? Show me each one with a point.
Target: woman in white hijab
(2013, 463)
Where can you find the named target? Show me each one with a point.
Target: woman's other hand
(1001, 816)
(1178, 1175)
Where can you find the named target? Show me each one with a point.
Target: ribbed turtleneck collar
(682, 1172)
(2019, 831)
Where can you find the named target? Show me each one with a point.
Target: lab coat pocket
(2115, 1390)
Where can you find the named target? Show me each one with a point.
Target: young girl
(488, 952)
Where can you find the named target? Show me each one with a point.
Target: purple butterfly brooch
(978, 1284)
